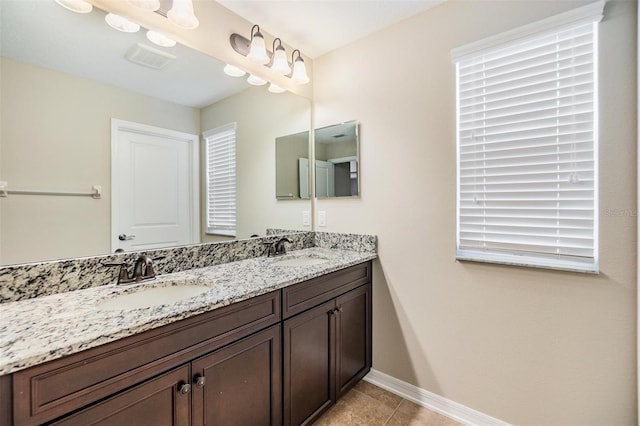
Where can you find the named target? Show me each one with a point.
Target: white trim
(129, 126)
(432, 401)
(529, 261)
(224, 128)
(342, 159)
(582, 15)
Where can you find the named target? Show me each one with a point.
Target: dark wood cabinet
(280, 358)
(163, 401)
(353, 338)
(309, 386)
(241, 383)
(327, 350)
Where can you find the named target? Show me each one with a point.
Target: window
(527, 187)
(221, 180)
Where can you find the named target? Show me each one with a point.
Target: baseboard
(432, 401)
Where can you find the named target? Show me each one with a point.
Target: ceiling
(319, 26)
(44, 34)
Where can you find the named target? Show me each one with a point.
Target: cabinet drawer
(308, 294)
(46, 391)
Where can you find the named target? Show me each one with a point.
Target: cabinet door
(241, 383)
(309, 387)
(165, 400)
(353, 338)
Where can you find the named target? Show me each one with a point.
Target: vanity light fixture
(78, 6)
(280, 64)
(274, 88)
(121, 23)
(233, 71)
(254, 80)
(151, 5)
(299, 75)
(257, 49)
(160, 39)
(181, 14)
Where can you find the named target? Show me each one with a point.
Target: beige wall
(261, 117)
(55, 133)
(289, 149)
(527, 346)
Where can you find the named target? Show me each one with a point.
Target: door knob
(185, 388)
(200, 381)
(125, 237)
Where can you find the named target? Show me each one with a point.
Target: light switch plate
(306, 218)
(322, 218)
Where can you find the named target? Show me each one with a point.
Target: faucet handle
(123, 274)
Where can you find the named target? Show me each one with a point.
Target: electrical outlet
(306, 218)
(322, 218)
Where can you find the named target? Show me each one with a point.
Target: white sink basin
(300, 261)
(154, 296)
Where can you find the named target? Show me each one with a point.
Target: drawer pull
(185, 388)
(200, 381)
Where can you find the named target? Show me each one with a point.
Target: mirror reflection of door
(155, 187)
(336, 152)
(303, 172)
(325, 179)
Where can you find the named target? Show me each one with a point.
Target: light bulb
(146, 4)
(121, 23)
(233, 71)
(160, 39)
(78, 6)
(258, 51)
(181, 14)
(299, 72)
(280, 62)
(254, 80)
(273, 88)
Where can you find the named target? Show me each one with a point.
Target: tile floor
(369, 405)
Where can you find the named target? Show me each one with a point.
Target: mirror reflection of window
(220, 151)
(337, 169)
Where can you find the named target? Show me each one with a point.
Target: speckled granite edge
(355, 242)
(26, 281)
(46, 328)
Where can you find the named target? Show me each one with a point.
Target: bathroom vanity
(281, 348)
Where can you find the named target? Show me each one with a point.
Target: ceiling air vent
(148, 56)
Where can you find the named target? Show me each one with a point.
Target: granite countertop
(37, 330)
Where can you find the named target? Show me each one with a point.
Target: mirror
(292, 166)
(64, 77)
(337, 160)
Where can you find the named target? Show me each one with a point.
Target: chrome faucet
(142, 270)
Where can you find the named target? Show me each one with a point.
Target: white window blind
(221, 180)
(527, 151)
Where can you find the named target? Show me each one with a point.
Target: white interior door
(303, 173)
(154, 175)
(325, 179)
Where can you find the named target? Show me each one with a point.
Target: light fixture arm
(293, 60)
(257, 28)
(273, 48)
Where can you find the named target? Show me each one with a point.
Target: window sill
(528, 261)
(221, 233)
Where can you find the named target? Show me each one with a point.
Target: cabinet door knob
(332, 312)
(185, 388)
(200, 381)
